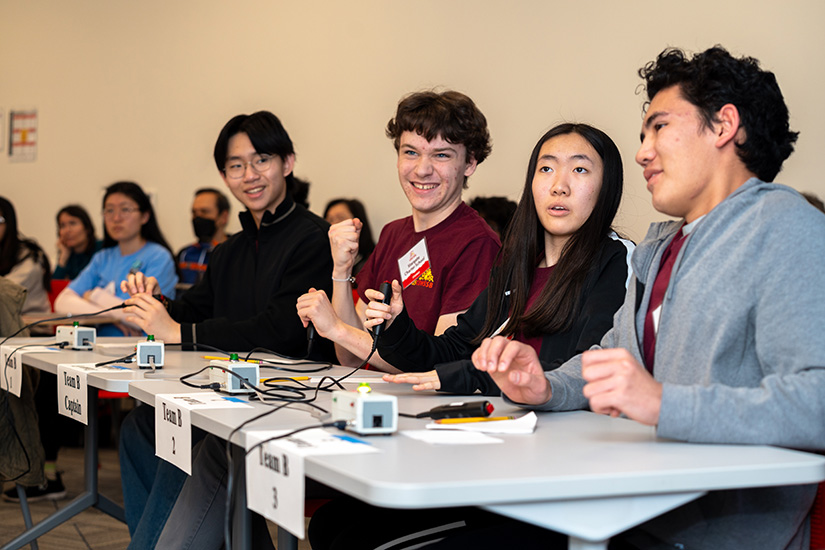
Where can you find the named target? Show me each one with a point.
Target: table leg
(88, 498)
(579, 544)
(241, 518)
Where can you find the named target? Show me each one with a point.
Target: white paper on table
(275, 471)
(523, 425)
(452, 437)
(207, 400)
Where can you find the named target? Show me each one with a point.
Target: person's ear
(289, 164)
(726, 126)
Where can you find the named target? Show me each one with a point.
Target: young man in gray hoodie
(720, 338)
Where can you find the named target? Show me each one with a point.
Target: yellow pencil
(293, 378)
(473, 419)
(213, 358)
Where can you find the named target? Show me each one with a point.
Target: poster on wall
(23, 135)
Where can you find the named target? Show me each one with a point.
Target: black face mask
(204, 229)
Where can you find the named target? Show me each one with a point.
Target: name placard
(11, 375)
(275, 472)
(11, 365)
(71, 393)
(173, 426)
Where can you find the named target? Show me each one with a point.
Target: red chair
(57, 286)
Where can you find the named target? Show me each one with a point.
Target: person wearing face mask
(210, 213)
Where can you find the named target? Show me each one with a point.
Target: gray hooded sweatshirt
(740, 353)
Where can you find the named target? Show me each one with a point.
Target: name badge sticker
(173, 432)
(414, 263)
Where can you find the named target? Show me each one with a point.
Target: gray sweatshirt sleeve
(763, 380)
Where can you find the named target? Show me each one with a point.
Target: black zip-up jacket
(247, 297)
(411, 350)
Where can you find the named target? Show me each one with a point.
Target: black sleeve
(196, 302)
(603, 295)
(412, 350)
(308, 263)
(463, 378)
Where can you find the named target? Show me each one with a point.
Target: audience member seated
(814, 201)
(210, 214)
(496, 211)
(339, 210)
(559, 280)
(76, 242)
(25, 272)
(442, 253)
(23, 262)
(132, 242)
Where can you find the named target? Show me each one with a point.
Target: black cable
(8, 413)
(65, 318)
(124, 359)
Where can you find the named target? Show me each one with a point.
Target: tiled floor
(90, 530)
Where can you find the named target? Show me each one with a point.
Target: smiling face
(432, 174)
(258, 191)
(566, 186)
(123, 219)
(677, 157)
(71, 232)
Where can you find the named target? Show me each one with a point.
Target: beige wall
(139, 90)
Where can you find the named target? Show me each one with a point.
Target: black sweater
(247, 297)
(411, 350)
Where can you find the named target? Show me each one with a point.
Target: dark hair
(450, 114)
(12, 244)
(713, 79)
(149, 230)
(523, 249)
(77, 211)
(300, 191)
(496, 211)
(366, 244)
(220, 199)
(267, 135)
(814, 201)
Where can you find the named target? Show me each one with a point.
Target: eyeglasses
(236, 168)
(124, 211)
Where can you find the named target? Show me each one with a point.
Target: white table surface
(575, 465)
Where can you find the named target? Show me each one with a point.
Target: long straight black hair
(523, 249)
(12, 244)
(150, 230)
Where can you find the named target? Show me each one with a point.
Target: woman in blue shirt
(132, 241)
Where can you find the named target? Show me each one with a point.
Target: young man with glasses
(245, 300)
